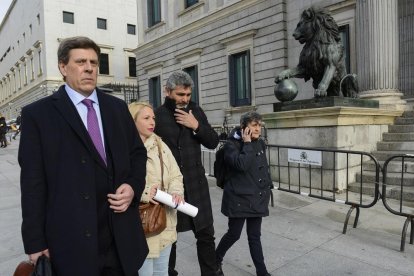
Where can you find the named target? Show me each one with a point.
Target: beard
(181, 105)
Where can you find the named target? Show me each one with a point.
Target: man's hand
(33, 257)
(186, 119)
(122, 198)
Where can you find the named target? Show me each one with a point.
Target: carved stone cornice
(239, 36)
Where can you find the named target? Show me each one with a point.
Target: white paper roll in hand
(166, 199)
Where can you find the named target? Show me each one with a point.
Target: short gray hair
(179, 78)
(251, 116)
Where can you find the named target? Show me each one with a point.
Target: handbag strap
(161, 163)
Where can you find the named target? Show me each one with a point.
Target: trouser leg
(3, 140)
(233, 234)
(161, 263)
(172, 260)
(111, 263)
(253, 235)
(206, 250)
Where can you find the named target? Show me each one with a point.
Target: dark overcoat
(247, 190)
(185, 146)
(3, 125)
(59, 168)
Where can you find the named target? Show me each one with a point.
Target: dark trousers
(3, 140)
(253, 228)
(110, 264)
(205, 252)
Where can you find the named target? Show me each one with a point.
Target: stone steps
(393, 166)
(404, 121)
(398, 141)
(384, 155)
(392, 191)
(408, 114)
(392, 178)
(400, 128)
(404, 146)
(409, 136)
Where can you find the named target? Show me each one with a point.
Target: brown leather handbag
(25, 268)
(153, 216)
(43, 267)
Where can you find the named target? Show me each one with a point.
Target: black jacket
(3, 125)
(185, 146)
(247, 191)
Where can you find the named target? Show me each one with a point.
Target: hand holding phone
(246, 134)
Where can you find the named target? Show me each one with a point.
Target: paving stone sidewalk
(302, 236)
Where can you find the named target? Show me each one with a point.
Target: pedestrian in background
(18, 126)
(82, 171)
(159, 245)
(3, 131)
(246, 192)
(183, 126)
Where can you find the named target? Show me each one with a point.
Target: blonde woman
(159, 245)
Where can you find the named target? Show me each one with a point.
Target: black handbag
(43, 267)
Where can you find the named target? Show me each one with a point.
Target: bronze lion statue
(322, 56)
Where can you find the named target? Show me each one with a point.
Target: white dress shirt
(77, 99)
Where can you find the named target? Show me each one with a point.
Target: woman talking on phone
(247, 190)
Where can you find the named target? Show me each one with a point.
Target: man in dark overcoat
(82, 169)
(183, 126)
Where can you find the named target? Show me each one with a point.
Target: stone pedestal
(335, 127)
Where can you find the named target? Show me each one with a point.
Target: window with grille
(193, 72)
(104, 64)
(132, 66)
(101, 23)
(344, 33)
(240, 79)
(68, 17)
(189, 3)
(131, 29)
(154, 12)
(154, 84)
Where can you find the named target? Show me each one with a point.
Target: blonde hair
(136, 107)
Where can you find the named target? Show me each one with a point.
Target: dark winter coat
(3, 125)
(185, 146)
(61, 173)
(247, 191)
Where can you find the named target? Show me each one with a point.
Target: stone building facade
(30, 35)
(235, 48)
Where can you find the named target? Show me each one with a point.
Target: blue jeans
(156, 266)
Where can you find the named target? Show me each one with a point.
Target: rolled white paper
(166, 199)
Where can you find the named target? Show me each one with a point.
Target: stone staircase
(398, 140)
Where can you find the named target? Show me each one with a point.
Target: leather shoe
(172, 272)
(219, 271)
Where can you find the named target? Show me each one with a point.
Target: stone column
(378, 52)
